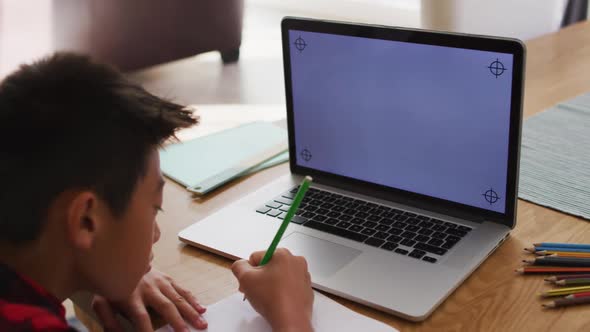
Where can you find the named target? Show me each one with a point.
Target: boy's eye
(158, 208)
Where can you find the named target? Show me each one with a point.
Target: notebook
(205, 163)
(233, 314)
(279, 159)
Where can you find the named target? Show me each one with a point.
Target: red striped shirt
(26, 306)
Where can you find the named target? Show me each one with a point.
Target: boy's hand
(280, 290)
(159, 292)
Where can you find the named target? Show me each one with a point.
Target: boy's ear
(83, 219)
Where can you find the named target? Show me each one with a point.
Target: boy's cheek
(156, 232)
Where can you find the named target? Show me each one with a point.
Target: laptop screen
(431, 120)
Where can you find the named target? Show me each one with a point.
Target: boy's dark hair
(69, 123)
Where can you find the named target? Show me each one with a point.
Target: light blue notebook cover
(205, 163)
(279, 159)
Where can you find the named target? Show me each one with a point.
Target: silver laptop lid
(422, 118)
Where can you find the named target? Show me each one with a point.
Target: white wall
(524, 19)
(25, 32)
(389, 12)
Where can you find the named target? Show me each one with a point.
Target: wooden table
(493, 298)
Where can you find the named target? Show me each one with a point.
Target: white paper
(233, 314)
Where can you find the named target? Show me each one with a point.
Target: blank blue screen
(427, 119)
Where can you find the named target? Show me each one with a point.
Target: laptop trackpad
(324, 258)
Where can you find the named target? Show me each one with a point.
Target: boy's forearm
(303, 326)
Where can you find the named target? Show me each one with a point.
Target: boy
(81, 188)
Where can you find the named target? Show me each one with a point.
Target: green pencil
(290, 213)
(577, 281)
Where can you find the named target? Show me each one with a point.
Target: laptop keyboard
(397, 231)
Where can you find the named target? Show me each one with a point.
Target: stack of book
(571, 265)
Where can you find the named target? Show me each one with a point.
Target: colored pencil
(285, 223)
(565, 254)
(571, 282)
(552, 270)
(565, 291)
(562, 245)
(576, 295)
(559, 261)
(537, 249)
(561, 253)
(567, 302)
(567, 276)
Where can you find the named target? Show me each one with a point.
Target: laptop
(412, 138)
